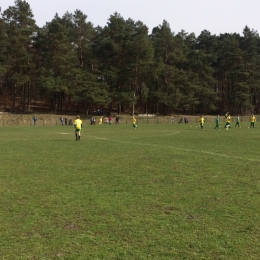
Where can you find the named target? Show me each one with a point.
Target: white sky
(216, 16)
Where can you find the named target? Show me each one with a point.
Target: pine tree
(20, 27)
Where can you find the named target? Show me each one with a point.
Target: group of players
(228, 120)
(78, 126)
(78, 123)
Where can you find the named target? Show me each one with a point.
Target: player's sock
(76, 137)
(79, 137)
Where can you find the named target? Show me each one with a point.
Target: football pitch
(162, 191)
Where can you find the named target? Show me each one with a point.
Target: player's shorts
(78, 130)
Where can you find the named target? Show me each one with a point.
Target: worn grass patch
(158, 192)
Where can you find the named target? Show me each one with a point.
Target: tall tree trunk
(133, 108)
(55, 103)
(24, 97)
(14, 94)
(87, 109)
(28, 95)
(61, 102)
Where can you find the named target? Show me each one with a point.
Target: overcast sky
(216, 16)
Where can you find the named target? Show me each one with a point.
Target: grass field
(161, 191)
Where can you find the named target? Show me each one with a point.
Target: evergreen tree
(228, 73)
(169, 57)
(140, 57)
(20, 27)
(58, 58)
(3, 54)
(123, 51)
(201, 60)
(250, 45)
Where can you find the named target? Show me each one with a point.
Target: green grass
(161, 191)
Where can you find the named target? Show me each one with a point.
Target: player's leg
(76, 134)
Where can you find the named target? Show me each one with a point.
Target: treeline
(70, 64)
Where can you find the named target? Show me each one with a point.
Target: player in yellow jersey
(252, 121)
(202, 121)
(78, 127)
(134, 123)
(227, 114)
(101, 120)
(228, 120)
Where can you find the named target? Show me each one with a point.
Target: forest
(70, 65)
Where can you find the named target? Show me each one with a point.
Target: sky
(192, 16)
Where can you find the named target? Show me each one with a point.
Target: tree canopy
(68, 64)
